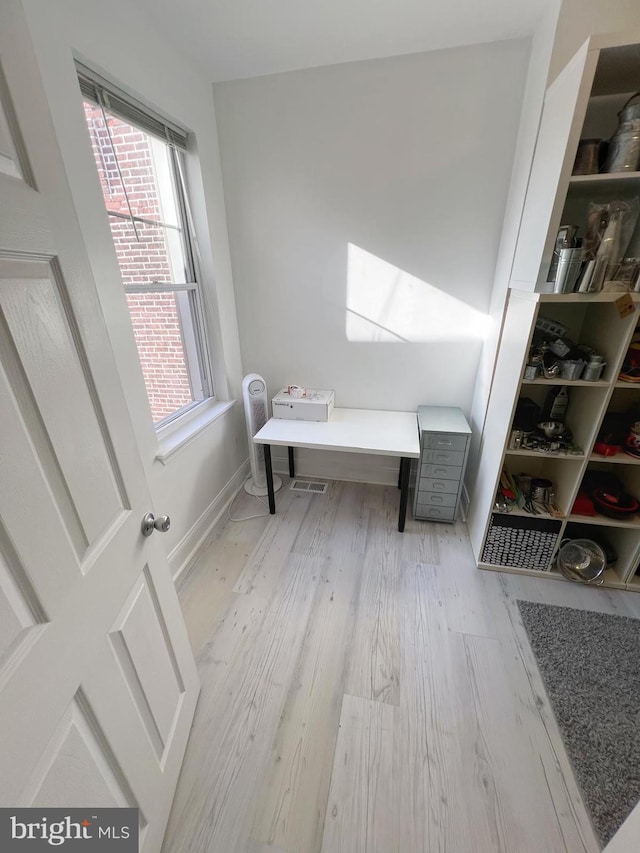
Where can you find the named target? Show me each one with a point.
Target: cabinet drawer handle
(436, 499)
(438, 485)
(440, 471)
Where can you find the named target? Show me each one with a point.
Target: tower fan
(254, 394)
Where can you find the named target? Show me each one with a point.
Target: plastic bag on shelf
(610, 227)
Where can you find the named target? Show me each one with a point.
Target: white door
(97, 681)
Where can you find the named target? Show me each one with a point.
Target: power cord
(247, 517)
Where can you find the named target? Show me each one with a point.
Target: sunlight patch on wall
(386, 304)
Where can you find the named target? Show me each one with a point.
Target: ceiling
(230, 39)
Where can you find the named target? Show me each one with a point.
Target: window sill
(175, 436)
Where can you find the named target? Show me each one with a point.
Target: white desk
(351, 430)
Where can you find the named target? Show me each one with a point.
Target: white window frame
(113, 100)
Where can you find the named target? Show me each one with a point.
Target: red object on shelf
(619, 506)
(606, 449)
(583, 505)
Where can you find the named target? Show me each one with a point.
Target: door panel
(45, 507)
(13, 157)
(20, 611)
(98, 684)
(76, 763)
(147, 661)
(54, 391)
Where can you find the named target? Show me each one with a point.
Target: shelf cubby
(602, 188)
(563, 471)
(622, 539)
(623, 396)
(586, 407)
(593, 324)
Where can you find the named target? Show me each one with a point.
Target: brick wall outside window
(155, 317)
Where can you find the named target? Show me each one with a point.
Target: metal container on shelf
(624, 147)
(541, 489)
(588, 157)
(593, 368)
(571, 369)
(569, 266)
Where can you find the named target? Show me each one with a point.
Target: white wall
(408, 160)
(118, 39)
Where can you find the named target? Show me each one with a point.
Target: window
(139, 158)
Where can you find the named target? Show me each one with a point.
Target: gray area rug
(590, 664)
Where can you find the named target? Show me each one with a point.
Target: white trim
(180, 432)
(188, 547)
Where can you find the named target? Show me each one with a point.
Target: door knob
(151, 523)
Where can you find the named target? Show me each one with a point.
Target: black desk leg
(292, 470)
(405, 467)
(400, 474)
(269, 470)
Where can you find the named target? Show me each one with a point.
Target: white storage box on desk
(316, 405)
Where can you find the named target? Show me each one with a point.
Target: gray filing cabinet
(445, 437)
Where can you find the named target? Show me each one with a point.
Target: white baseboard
(336, 465)
(187, 548)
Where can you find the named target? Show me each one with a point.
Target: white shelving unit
(582, 103)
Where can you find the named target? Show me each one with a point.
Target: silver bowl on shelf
(581, 560)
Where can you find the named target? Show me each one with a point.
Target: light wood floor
(366, 691)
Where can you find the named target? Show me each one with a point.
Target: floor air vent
(309, 486)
